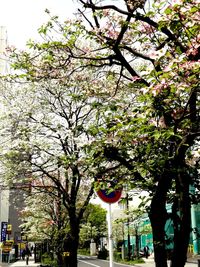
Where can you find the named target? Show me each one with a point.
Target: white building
(4, 194)
(3, 45)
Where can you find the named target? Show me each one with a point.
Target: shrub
(47, 260)
(117, 256)
(84, 251)
(103, 254)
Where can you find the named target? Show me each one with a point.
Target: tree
(94, 222)
(44, 219)
(165, 37)
(152, 52)
(52, 142)
(169, 45)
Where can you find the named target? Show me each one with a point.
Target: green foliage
(131, 262)
(47, 259)
(93, 224)
(84, 251)
(117, 256)
(96, 215)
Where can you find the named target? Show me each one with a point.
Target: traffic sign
(110, 196)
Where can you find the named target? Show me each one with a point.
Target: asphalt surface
(192, 262)
(86, 262)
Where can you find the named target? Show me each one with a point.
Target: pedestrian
(23, 254)
(27, 253)
(146, 252)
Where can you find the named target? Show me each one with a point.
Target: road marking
(90, 263)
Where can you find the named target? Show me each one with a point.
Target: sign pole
(110, 197)
(110, 236)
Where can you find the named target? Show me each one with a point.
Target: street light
(128, 228)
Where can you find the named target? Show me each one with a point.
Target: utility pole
(128, 228)
(110, 237)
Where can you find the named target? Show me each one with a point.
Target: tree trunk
(72, 242)
(182, 233)
(158, 229)
(71, 247)
(137, 241)
(59, 258)
(158, 216)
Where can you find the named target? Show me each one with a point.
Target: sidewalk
(21, 263)
(191, 262)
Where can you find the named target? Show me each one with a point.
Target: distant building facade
(4, 193)
(3, 45)
(142, 227)
(11, 201)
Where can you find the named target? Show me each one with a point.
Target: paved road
(84, 261)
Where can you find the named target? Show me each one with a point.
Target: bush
(84, 251)
(47, 260)
(117, 256)
(131, 262)
(103, 254)
(138, 261)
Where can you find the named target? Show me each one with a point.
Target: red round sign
(110, 197)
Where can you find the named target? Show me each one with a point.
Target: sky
(22, 18)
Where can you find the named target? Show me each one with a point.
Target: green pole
(194, 234)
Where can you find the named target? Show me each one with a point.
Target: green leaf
(168, 11)
(194, 9)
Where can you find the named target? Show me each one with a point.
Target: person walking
(27, 253)
(146, 252)
(23, 254)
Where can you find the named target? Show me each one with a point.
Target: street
(86, 261)
(94, 262)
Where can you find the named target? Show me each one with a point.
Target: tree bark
(73, 239)
(182, 233)
(72, 247)
(158, 216)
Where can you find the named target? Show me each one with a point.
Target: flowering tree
(156, 47)
(44, 218)
(151, 51)
(50, 148)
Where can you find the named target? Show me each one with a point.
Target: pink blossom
(105, 12)
(159, 87)
(145, 28)
(168, 68)
(154, 54)
(192, 51)
(112, 33)
(177, 2)
(135, 78)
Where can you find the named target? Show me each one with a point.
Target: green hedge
(46, 259)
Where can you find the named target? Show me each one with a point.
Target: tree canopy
(138, 66)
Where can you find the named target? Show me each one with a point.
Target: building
(140, 231)
(3, 45)
(4, 193)
(11, 201)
